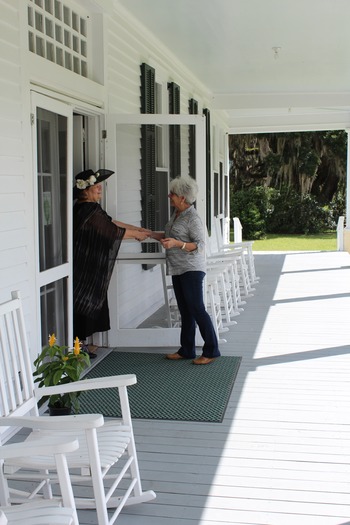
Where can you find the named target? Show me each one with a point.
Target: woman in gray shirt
(183, 240)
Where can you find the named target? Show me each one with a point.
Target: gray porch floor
(281, 455)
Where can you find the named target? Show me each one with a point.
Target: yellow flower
(58, 365)
(77, 345)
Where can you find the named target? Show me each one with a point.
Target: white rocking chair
(44, 512)
(102, 445)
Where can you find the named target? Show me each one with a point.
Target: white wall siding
(13, 227)
(16, 220)
(123, 68)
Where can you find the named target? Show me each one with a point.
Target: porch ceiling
(270, 64)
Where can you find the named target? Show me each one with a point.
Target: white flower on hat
(83, 184)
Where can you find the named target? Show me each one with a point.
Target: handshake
(141, 234)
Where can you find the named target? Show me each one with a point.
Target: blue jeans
(188, 289)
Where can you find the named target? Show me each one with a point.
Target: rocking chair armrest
(87, 384)
(74, 422)
(46, 446)
(225, 256)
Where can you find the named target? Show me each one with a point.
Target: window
(52, 188)
(193, 110)
(148, 148)
(206, 113)
(53, 234)
(161, 146)
(174, 131)
(148, 157)
(59, 34)
(216, 194)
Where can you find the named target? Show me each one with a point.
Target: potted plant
(58, 365)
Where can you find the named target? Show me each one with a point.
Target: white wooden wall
(16, 210)
(126, 46)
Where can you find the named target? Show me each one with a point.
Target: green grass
(275, 242)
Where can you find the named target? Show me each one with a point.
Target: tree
(288, 182)
(309, 162)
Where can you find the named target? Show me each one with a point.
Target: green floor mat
(173, 390)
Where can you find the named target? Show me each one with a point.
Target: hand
(157, 236)
(141, 235)
(169, 242)
(145, 230)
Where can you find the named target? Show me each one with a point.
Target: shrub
(252, 208)
(264, 210)
(284, 211)
(294, 213)
(337, 206)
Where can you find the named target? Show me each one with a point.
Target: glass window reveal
(58, 34)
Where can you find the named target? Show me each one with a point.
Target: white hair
(185, 187)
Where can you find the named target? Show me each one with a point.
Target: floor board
(280, 457)
(281, 454)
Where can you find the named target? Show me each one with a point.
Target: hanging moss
(309, 162)
(288, 182)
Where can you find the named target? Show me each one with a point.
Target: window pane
(52, 188)
(53, 298)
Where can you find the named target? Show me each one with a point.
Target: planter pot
(59, 411)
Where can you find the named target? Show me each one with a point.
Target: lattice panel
(59, 34)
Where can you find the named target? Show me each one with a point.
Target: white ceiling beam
(293, 123)
(281, 100)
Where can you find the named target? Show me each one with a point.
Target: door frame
(65, 106)
(153, 337)
(64, 270)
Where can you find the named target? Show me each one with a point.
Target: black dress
(96, 242)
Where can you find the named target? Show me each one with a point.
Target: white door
(52, 154)
(130, 291)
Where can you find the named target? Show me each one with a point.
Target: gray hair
(184, 187)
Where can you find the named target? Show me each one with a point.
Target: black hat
(88, 178)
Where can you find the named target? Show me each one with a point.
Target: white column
(347, 199)
(346, 231)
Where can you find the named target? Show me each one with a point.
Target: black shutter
(193, 110)
(216, 193)
(148, 155)
(174, 131)
(206, 113)
(222, 189)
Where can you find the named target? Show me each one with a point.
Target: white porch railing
(237, 229)
(340, 234)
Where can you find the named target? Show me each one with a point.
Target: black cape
(96, 242)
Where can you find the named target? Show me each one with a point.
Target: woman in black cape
(96, 242)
